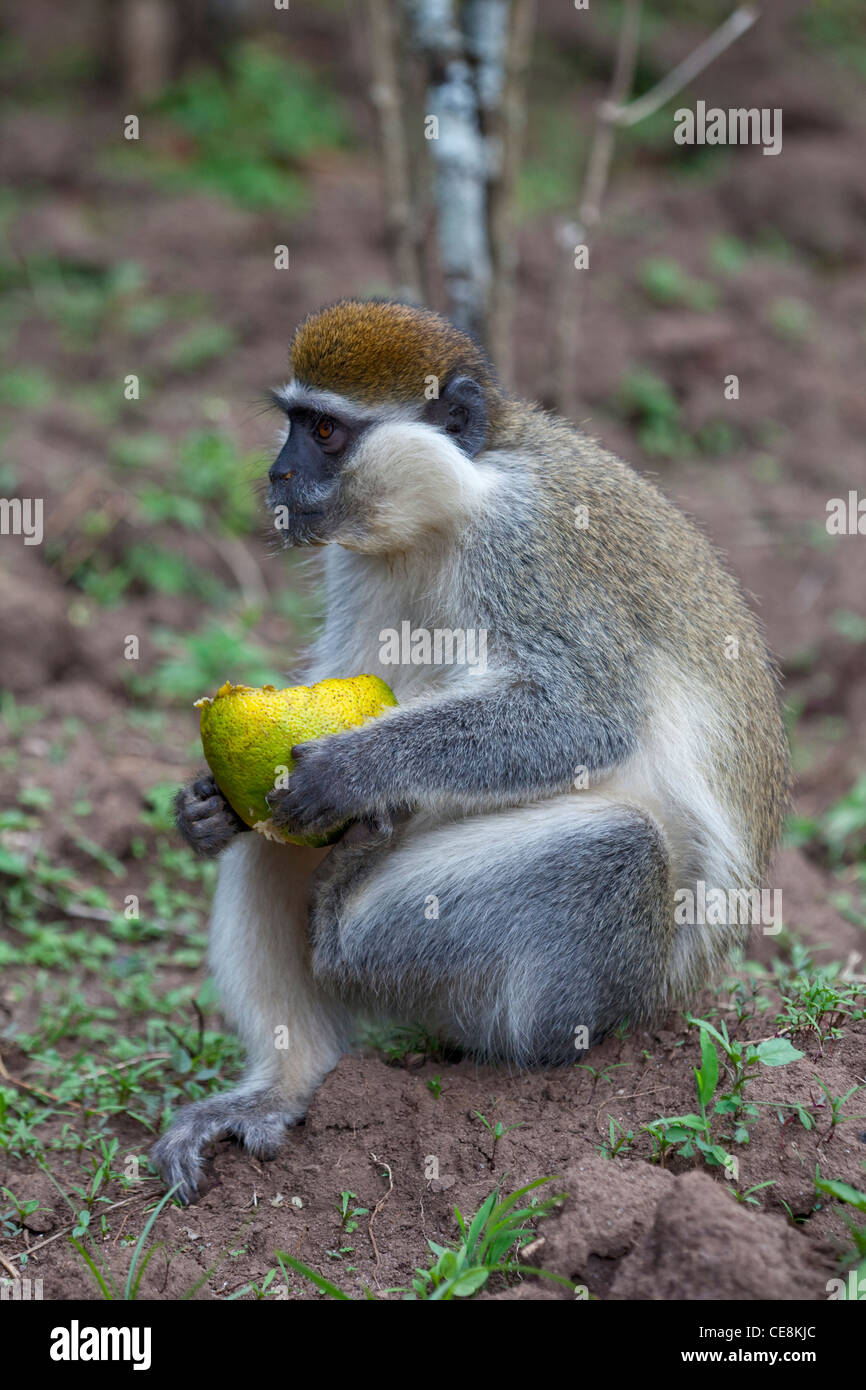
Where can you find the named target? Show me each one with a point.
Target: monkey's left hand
(324, 787)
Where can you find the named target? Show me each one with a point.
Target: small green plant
(692, 1133)
(200, 344)
(790, 318)
(434, 1086)
(27, 388)
(217, 474)
(617, 1143)
(287, 1262)
(104, 1280)
(836, 1104)
(195, 663)
(728, 255)
(748, 1197)
(665, 282)
(401, 1043)
(251, 125)
(816, 999)
(649, 402)
(138, 451)
(746, 996)
(842, 1191)
(601, 1073)
(17, 717)
(835, 30)
(348, 1212)
(717, 437)
(497, 1130)
(843, 826)
(490, 1244)
(262, 1290)
(852, 1197)
(13, 1220)
(850, 625)
(85, 1202)
(744, 1061)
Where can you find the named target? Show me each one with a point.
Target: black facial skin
(305, 476)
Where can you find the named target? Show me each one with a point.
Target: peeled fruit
(247, 733)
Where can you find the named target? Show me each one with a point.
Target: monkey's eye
(329, 434)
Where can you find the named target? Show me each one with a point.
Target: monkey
(518, 834)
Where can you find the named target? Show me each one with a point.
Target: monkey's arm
(515, 739)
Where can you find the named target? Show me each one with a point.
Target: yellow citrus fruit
(248, 732)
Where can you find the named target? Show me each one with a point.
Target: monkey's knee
(530, 957)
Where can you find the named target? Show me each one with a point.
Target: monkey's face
(375, 480)
(305, 478)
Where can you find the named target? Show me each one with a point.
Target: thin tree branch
(601, 150)
(566, 314)
(684, 73)
(612, 114)
(503, 187)
(386, 96)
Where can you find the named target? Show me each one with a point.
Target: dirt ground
(788, 315)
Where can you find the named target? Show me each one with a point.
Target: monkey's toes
(178, 1162)
(263, 1135)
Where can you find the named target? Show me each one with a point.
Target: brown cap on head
(379, 351)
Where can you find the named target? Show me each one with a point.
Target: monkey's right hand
(204, 818)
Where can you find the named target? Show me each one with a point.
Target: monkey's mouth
(303, 515)
(301, 526)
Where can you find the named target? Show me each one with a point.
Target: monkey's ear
(461, 411)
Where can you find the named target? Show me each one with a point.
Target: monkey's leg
(505, 933)
(294, 1034)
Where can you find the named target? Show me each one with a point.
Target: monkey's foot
(257, 1119)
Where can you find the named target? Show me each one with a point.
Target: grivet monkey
(623, 742)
